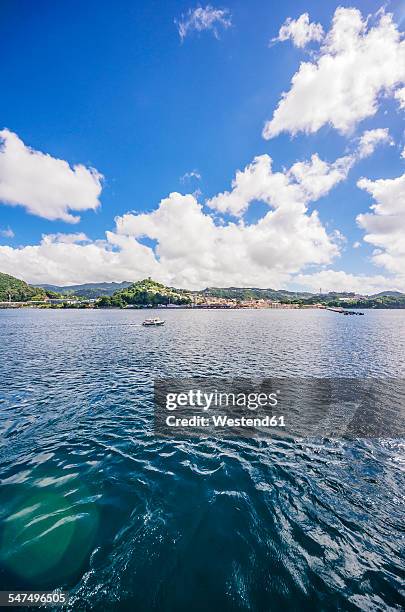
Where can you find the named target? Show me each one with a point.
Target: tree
(103, 302)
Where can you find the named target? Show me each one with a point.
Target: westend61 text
(225, 421)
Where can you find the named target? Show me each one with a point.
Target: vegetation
(389, 299)
(88, 290)
(383, 301)
(51, 294)
(252, 293)
(151, 293)
(113, 301)
(17, 290)
(145, 293)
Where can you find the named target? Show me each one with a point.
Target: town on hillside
(147, 293)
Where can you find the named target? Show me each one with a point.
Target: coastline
(85, 305)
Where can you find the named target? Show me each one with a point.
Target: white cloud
(7, 233)
(266, 252)
(403, 153)
(66, 263)
(356, 65)
(192, 250)
(385, 225)
(333, 280)
(317, 177)
(43, 185)
(301, 31)
(400, 96)
(371, 138)
(61, 238)
(304, 182)
(200, 19)
(357, 244)
(193, 174)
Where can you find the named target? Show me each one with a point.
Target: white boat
(153, 321)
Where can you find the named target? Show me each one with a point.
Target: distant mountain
(388, 294)
(88, 290)
(252, 293)
(16, 290)
(95, 290)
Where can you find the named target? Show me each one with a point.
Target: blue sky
(113, 86)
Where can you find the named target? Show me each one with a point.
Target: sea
(94, 503)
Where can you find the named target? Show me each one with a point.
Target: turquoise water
(93, 502)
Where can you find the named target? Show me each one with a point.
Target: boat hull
(160, 323)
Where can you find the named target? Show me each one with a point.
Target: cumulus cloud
(61, 262)
(371, 138)
(301, 31)
(191, 249)
(271, 253)
(317, 177)
(61, 238)
(305, 181)
(7, 233)
(200, 19)
(357, 64)
(385, 225)
(268, 251)
(338, 280)
(400, 96)
(43, 185)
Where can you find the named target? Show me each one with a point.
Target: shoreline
(86, 306)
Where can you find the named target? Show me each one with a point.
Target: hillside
(87, 290)
(146, 293)
(252, 293)
(383, 301)
(394, 294)
(17, 290)
(95, 290)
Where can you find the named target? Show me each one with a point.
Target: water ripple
(93, 502)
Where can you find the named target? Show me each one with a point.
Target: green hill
(87, 290)
(394, 294)
(146, 293)
(252, 293)
(17, 290)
